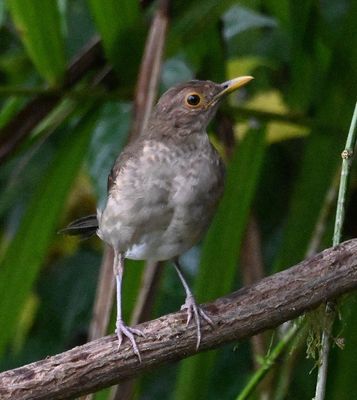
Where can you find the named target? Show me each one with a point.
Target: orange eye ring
(193, 100)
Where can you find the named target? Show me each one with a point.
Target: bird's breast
(162, 201)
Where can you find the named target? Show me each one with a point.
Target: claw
(123, 330)
(194, 310)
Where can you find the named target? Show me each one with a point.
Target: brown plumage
(164, 188)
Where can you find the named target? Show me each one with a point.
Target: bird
(163, 191)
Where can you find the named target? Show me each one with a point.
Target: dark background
(283, 135)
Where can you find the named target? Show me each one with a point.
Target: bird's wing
(140, 181)
(127, 154)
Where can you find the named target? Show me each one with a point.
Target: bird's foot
(194, 311)
(124, 330)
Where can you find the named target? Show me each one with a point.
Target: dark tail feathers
(84, 227)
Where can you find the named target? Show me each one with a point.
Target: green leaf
(304, 60)
(191, 21)
(112, 17)
(280, 9)
(38, 24)
(2, 12)
(109, 136)
(9, 109)
(220, 251)
(309, 193)
(342, 369)
(239, 19)
(121, 31)
(26, 252)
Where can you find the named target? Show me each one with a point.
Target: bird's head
(191, 105)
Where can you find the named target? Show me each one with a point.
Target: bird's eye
(193, 100)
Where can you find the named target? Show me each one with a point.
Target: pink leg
(193, 309)
(123, 330)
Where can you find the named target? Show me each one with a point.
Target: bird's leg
(193, 309)
(122, 329)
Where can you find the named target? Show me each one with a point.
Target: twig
(242, 314)
(149, 286)
(281, 345)
(104, 297)
(347, 156)
(252, 267)
(314, 245)
(325, 212)
(244, 112)
(145, 94)
(103, 301)
(20, 126)
(149, 75)
(269, 361)
(142, 311)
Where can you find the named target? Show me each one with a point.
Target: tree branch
(264, 305)
(19, 127)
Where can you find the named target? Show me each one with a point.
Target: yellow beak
(235, 83)
(232, 85)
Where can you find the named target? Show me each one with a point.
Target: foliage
(290, 126)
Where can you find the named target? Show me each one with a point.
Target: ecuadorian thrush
(163, 189)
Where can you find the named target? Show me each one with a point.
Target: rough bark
(253, 309)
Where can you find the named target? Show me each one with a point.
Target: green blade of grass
(220, 252)
(118, 23)
(26, 252)
(314, 180)
(111, 17)
(9, 109)
(39, 26)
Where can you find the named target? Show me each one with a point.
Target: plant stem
(269, 361)
(347, 156)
